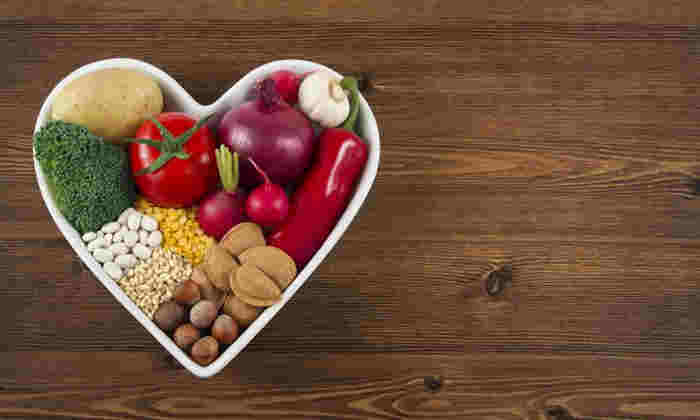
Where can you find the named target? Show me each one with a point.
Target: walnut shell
(206, 288)
(218, 264)
(241, 237)
(274, 262)
(240, 311)
(253, 287)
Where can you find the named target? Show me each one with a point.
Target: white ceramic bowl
(177, 99)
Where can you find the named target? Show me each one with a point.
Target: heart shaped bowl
(177, 99)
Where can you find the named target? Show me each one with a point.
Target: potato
(111, 103)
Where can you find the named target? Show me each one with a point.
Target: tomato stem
(170, 147)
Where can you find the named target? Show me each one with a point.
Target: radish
(287, 84)
(267, 205)
(223, 209)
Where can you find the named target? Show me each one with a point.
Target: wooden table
(530, 249)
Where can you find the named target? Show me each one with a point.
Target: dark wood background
(548, 148)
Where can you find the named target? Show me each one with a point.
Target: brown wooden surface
(559, 139)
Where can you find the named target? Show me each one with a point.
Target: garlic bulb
(323, 99)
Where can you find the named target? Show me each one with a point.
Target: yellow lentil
(181, 232)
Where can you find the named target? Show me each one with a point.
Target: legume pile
(181, 232)
(153, 281)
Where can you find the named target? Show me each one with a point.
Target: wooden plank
(288, 385)
(556, 139)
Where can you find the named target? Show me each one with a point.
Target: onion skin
(269, 130)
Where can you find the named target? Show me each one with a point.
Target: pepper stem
(228, 168)
(350, 83)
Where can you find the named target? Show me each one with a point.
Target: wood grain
(555, 140)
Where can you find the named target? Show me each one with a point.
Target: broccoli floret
(88, 177)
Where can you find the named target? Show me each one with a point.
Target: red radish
(223, 209)
(287, 84)
(267, 205)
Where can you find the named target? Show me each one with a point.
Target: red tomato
(180, 182)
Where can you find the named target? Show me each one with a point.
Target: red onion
(277, 136)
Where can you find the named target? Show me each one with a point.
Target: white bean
(130, 238)
(124, 216)
(103, 255)
(108, 239)
(142, 251)
(118, 237)
(89, 236)
(126, 260)
(149, 223)
(113, 270)
(110, 227)
(100, 234)
(96, 243)
(143, 237)
(134, 220)
(155, 239)
(119, 249)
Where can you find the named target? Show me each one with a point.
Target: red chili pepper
(318, 203)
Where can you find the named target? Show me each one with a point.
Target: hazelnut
(185, 335)
(225, 329)
(169, 315)
(240, 311)
(206, 288)
(205, 350)
(187, 293)
(203, 313)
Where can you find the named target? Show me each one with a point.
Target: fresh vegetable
(88, 178)
(323, 99)
(223, 209)
(111, 103)
(267, 205)
(173, 161)
(269, 130)
(287, 84)
(318, 203)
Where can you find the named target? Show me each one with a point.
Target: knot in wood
(558, 413)
(497, 280)
(432, 383)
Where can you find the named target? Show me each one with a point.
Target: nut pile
(119, 245)
(154, 280)
(239, 276)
